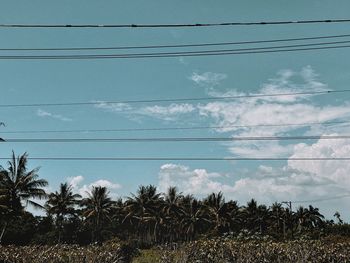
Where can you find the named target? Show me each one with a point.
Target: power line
(321, 199)
(260, 23)
(178, 139)
(173, 128)
(175, 99)
(173, 54)
(182, 159)
(177, 45)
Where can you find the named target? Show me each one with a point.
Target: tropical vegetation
(190, 226)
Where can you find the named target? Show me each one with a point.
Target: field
(205, 251)
(109, 252)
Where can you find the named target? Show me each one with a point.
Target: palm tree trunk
(155, 231)
(3, 231)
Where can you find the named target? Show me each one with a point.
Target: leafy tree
(143, 212)
(219, 212)
(337, 216)
(193, 217)
(61, 204)
(97, 210)
(20, 187)
(173, 212)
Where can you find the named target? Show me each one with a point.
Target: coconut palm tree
(143, 211)
(263, 216)
(97, 209)
(193, 217)
(20, 186)
(61, 204)
(315, 218)
(235, 216)
(337, 216)
(301, 217)
(218, 211)
(172, 213)
(277, 217)
(250, 215)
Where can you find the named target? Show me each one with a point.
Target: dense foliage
(224, 250)
(146, 217)
(110, 252)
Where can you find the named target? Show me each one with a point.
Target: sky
(54, 81)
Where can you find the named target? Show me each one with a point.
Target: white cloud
(113, 107)
(337, 171)
(76, 183)
(208, 79)
(46, 114)
(261, 116)
(197, 181)
(267, 185)
(170, 112)
(295, 181)
(288, 81)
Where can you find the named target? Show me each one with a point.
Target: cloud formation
(83, 189)
(45, 114)
(170, 112)
(207, 79)
(295, 181)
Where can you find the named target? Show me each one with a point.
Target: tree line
(147, 217)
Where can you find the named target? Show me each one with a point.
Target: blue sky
(101, 80)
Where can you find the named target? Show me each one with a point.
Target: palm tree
(235, 216)
(315, 218)
(61, 204)
(301, 217)
(143, 211)
(3, 196)
(277, 217)
(218, 212)
(263, 215)
(337, 216)
(98, 206)
(250, 212)
(20, 185)
(193, 217)
(4, 209)
(172, 211)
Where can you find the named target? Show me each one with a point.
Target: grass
(148, 256)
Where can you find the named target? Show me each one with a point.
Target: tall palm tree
(277, 217)
(172, 211)
(315, 218)
(218, 212)
(143, 210)
(301, 217)
(98, 206)
(3, 196)
(61, 204)
(20, 185)
(250, 213)
(193, 217)
(337, 216)
(263, 215)
(235, 216)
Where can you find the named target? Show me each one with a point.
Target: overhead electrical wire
(184, 158)
(174, 99)
(176, 45)
(185, 25)
(217, 52)
(176, 139)
(173, 128)
(321, 199)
